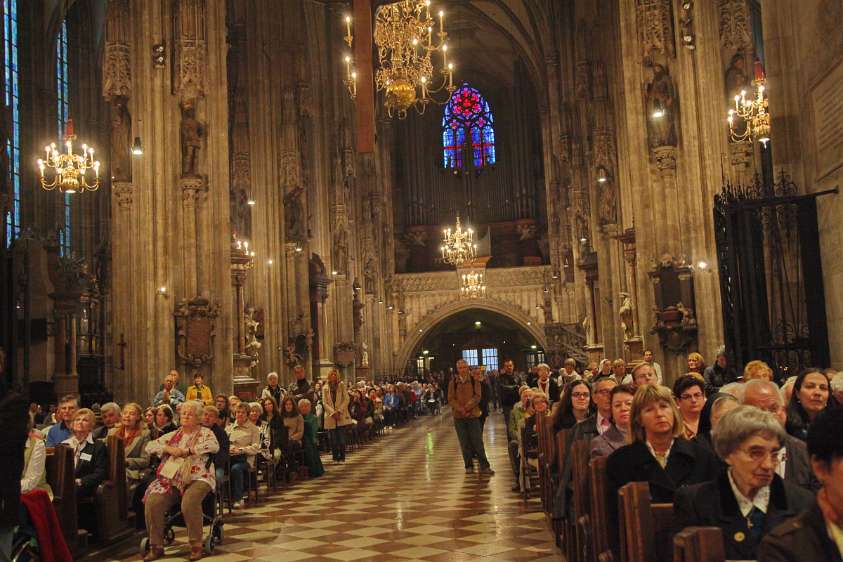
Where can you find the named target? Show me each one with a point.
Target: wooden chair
(581, 505)
(599, 511)
(699, 544)
(112, 511)
(646, 528)
(60, 476)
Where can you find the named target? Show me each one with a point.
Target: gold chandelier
(753, 112)
(458, 245)
(472, 285)
(69, 171)
(404, 35)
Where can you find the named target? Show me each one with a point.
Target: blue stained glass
(10, 76)
(467, 115)
(63, 114)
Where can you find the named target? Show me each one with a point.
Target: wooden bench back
(60, 477)
(699, 544)
(599, 510)
(581, 504)
(117, 470)
(645, 527)
(560, 448)
(110, 503)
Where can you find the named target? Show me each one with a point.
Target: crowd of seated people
(726, 449)
(188, 439)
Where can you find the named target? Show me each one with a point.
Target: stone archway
(420, 330)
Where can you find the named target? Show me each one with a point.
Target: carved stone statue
(736, 78)
(291, 355)
(341, 249)
(661, 96)
(586, 327)
(121, 132)
(364, 355)
(252, 343)
(295, 225)
(369, 273)
(627, 314)
(607, 204)
(191, 140)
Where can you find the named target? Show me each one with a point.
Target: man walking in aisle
(508, 384)
(464, 399)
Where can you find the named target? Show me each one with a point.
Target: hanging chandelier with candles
(458, 245)
(404, 36)
(472, 285)
(66, 171)
(752, 113)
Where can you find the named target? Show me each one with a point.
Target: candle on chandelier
(348, 26)
(348, 66)
(445, 55)
(450, 75)
(441, 21)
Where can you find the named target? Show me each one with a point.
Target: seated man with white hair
(795, 466)
(273, 389)
(110, 414)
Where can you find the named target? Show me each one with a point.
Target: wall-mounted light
(298, 248)
(269, 262)
(478, 323)
(158, 55)
(390, 307)
(534, 346)
(137, 147)
(334, 272)
(658, 109)
(162, 291)
(251, 202)
(426, 352)
(602, 174)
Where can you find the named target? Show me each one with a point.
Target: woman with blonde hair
(658, 453)
(757, 369)
(696, 363)
(135, 436)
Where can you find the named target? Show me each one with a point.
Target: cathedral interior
(274, 178)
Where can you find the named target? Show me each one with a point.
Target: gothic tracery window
(63, 114)
(468, 127)
(11, 78)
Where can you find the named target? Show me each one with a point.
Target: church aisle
(404, 497)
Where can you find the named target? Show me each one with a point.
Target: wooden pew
(699, 544)
(112, 511)
(646, 528)
(544, 431)
(59, 466)
(580, 504)
(599, 511)
(564, 529)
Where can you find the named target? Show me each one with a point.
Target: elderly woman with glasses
(186, 474)
(749, 499)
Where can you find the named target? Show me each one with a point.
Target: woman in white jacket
(335, 402)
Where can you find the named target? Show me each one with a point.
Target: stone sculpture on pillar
(341, 249)
(121, 133)
(627, 314)
(192, 133)
(294, 220)
(661, 97)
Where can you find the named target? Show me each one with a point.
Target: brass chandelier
(753, 112)
(69, 171)
(458, 245)
(472, 285)
(404, 36)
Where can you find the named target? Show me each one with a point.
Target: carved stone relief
(655, 28)
(295, 224)
(191, 49)
(734, 24)
(116, 71)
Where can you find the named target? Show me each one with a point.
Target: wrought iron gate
(771, 281)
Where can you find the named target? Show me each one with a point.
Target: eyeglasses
(581, 395)
(694, 396)
(758, 455)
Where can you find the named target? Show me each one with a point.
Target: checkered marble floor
(404, 497)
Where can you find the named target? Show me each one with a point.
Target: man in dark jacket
(719, 374)
(485, 393)
(509, 391)
(816, 534)
(300, 388)
(210, 419)
(795, 466)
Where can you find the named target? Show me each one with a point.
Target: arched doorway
(483, 332)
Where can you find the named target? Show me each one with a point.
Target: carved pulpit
(673, 288)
